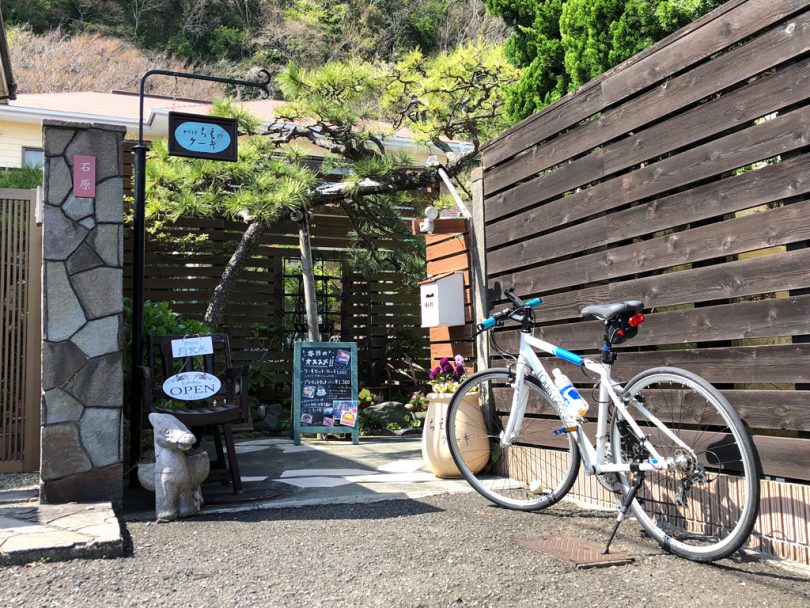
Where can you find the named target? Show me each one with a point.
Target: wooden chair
(228, 406)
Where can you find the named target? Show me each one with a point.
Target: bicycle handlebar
(519, 305)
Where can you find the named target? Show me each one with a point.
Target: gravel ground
(439, 551)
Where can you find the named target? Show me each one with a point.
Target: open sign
(190, 386)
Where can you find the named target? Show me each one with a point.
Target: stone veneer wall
(82, 321)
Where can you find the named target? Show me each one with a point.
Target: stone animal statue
(176, 479)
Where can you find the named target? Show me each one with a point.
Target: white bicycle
(667, 444)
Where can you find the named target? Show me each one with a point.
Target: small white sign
(191, 347)
(190, 386)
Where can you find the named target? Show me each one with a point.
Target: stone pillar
(82, 321)
(478, 266)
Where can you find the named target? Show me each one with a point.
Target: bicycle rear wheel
(536, 470)
(704, 508)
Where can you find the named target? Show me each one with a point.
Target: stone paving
(33, 532)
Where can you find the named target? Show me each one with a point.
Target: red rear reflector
(636, 319)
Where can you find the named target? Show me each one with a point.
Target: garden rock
(269, 424)
(391, 412)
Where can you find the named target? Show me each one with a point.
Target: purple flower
(443, 361)
(458, 372)
(459, 359)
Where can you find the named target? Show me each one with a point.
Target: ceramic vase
(469, 422)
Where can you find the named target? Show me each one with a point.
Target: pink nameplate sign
(84, 176)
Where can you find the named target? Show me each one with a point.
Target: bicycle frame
(593, 457)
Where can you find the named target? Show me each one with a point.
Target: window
(328, 290)
(33, 157)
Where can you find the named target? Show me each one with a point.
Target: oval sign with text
(202, 137)
(190, 386)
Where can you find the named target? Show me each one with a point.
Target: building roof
(121, 108)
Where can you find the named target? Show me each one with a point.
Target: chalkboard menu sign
(325, 389)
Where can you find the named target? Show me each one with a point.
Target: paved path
(276, 473)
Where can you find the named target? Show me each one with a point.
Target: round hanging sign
(189, 386)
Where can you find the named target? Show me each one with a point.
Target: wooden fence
(377, 314)
(20, 266)
(678, 178)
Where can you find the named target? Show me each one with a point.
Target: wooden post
(478, 269)
(308, 276)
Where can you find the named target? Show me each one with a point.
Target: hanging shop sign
(192, 347)
(325, 389)
(198, 136)
(190, 386)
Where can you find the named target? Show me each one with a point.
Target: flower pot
(436, 451)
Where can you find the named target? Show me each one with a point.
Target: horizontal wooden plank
(460, 261)
(743, 104)
(780, 456)
(784, 456)
(446, 334)
(788, 178)
(720, 29)
(757, 319)
(722, 281)
(789, 363)
(452, 246)
(771, 228)
(764, 140)
(439, 237)
(448, 349)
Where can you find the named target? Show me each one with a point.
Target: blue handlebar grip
(534, 302)
(487, 323)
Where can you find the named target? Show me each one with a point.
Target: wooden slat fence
(20, 267)
(679, 178)
(376, 313)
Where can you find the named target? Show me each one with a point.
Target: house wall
(13, 138)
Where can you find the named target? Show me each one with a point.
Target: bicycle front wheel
(704, 508)
(536, 469)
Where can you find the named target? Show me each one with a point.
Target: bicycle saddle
(606, 312)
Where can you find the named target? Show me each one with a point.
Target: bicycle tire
(523, 476)
(702, 517)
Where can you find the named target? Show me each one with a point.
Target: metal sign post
(139, 250)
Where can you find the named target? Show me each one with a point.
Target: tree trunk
(308, 277)
(247, 246)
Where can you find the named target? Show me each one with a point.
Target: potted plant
(445, 380)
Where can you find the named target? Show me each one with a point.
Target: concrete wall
(82, 325)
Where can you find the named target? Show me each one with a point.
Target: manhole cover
(576, 551)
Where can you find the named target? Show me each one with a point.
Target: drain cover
(576, 551)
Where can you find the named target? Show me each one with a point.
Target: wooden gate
(20, 264)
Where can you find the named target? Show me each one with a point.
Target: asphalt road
(447, 550)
